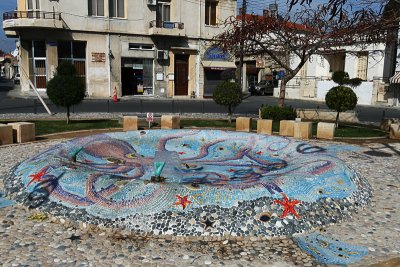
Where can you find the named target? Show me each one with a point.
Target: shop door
(40, 70)
(181, 74)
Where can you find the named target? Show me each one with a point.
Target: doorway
(131, 78)
(181, 74)
(137, 76)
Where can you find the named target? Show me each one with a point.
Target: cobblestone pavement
(58, 242)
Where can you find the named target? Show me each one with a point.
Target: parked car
(17, 78)
(262, 88)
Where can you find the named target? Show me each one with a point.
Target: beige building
(135, 47)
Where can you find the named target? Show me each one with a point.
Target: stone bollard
(286, 128)
(326, 130)
(170, 122)
(264, 126)
(23, 131)
(394, 131)
(243, 124)
(302, 130)
(130, 123)
(6, 134)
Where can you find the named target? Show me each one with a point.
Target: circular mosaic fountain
(213, 183)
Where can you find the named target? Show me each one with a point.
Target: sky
(6, 44)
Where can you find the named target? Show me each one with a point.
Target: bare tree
(307, 32)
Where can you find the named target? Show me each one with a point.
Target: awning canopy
(395, 78)
(218, 64)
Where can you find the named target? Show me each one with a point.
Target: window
(75, 52)
(163, 12)
(133, 46)
(96, 7)
(211, 12)
(362, 65)
(33, 4)
(116, 8)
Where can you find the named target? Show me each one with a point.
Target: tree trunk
(230, 114)
(337, 120)
(68, 115)
(282, 93)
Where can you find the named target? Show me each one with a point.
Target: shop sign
(259, 63)
(216, 54)
(98, 57)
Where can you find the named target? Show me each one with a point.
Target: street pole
(243, 15)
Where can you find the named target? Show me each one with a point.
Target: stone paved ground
(56, 242)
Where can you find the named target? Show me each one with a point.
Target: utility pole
(243, 17)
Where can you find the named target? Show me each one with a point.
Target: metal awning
(218, 64)
(395, 78)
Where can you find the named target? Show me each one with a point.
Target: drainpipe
(109, 57)
(198, 58)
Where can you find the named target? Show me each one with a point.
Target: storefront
(137, 76)
(217, 67)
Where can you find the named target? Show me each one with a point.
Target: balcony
(15, 20)
(167, 28)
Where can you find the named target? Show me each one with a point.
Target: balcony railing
(166, 24)
(33, 14)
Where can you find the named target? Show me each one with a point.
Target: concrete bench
(394, 131)
(326, 130)
(130, 123)
(23, 131)
(264, 126)
(286, 128)
(6, 134)
(243, 124)
(302, 130)
(170, 122)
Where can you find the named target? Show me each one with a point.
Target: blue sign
(281, 74)
(168, 25)
(216, 54)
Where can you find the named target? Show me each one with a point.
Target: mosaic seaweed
(209, 175)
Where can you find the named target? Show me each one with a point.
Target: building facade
(137, 47)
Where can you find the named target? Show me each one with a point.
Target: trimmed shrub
(277, 113)
(228, 94)
(341, 99)
(342, 78)
(66, 89)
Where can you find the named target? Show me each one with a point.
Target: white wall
(363, 92)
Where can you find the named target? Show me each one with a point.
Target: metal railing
(32, 14)
(166, 24)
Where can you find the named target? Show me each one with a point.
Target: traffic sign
(149, 117)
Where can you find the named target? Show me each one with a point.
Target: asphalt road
(250, 105)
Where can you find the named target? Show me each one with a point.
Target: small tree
(228, 94)
(66, 89)
(341, 98)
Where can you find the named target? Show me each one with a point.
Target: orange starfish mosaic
(37, 177)
(288, 206)
(182, 201)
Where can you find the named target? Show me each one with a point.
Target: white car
(17, 78)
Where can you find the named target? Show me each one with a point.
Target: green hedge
(277, 113)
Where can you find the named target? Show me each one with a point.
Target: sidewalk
(71, 244)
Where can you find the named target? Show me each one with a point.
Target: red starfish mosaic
(181, 153)
(288, 206)
(259, 153)
(37, 177)
(182, 201)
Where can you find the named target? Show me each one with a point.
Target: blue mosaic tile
(109, 177)
(327, 250)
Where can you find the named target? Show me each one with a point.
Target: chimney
(273, 9)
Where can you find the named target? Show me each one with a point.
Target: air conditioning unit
(162, 54)
(151, 2)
